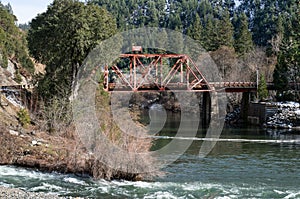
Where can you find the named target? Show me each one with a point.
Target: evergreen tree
(262, 88)
(264, 23)
(152, 15)
(243, 38)
(225, 31)
(195, 31)
(62, 37)
(209, 34)
(279, 26)
(205, 9)
(9, 9)
(230, 4)
(280, 75)
(288, 66)
(175, 22)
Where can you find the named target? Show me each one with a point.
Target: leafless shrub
(137, 166)
(56, 115)
(276, 42)
(226, 60)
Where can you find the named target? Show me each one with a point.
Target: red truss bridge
(152, 72)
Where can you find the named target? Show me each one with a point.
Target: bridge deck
(214, 86)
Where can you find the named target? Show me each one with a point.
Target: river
(245, 163)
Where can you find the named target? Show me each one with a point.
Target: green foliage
(195, 31)
(24, 117)
(243, 37)
(262, 88)
(18, 78)
(12, 41)
(280, 75)
(268, 18)
(225, 30)
(288, 66)
(62, 37)
(215, 24)
(209, 34)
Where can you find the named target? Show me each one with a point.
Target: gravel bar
(13, 193)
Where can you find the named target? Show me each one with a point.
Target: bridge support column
(245, 105)
(206, 109)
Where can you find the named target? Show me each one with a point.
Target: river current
(245, 163)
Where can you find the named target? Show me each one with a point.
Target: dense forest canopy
(244, 25)
(265, 18)
(238, 31)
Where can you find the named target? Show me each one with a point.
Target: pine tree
(152, 15)
(195, 31)
(209, 34)
(225, 31)
(230, 4)
(243, 38)
(262, 88)
(288, 66)
(9, 9)
(279, 26)
(280, 75)
(264, 23)
(205, 9)
(174, 22)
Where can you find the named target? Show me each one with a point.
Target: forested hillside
(13, 44)
(216, 20)
(259, 29)
(249, 34)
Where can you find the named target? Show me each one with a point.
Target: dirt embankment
(43, 151)
(63, 152)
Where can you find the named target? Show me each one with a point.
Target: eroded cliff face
(12, 77)
(14, 74)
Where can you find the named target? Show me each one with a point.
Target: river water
(245, 163)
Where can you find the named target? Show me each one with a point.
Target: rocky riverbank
(42, 151)
(13, 193)
(286, 117)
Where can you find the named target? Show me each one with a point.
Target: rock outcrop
(8, 75)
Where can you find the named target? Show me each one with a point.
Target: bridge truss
(144, 72)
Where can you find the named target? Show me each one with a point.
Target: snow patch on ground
(287, 115)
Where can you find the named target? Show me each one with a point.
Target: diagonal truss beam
(156, 73)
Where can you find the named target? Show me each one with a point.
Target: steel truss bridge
(157, 75)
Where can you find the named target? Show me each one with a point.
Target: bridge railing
(233, 84)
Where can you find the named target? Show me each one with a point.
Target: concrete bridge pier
(246, 98)
(206, 109)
